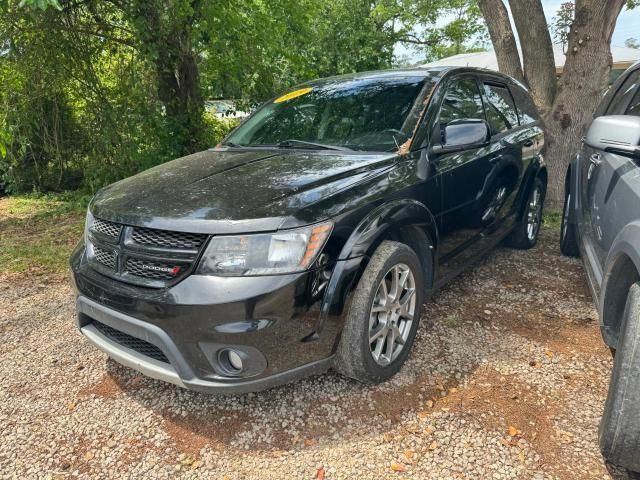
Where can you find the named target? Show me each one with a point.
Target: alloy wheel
(495, 205)
(392, 314)
(534, 214)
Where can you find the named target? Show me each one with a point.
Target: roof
(432, 72)
(623, 58)
(391, 74)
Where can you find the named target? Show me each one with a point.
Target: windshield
(374, 114)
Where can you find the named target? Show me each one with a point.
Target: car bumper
(176, 334)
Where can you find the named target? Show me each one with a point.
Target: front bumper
(273, 321)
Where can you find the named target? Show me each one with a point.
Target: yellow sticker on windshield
(294, 94)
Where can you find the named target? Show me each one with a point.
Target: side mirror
(462, 135)
(616, 134)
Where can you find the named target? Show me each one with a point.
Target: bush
(217, 128)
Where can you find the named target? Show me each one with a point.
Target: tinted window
(634, 106)
(462, 101)
(501, 111)
(622, 97)
(361, 114)
(527, 111)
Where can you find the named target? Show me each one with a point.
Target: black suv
(312, 235)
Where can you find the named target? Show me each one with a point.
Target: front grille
(166, 239)
(142, 347)
(155, 270)
(142, 256)
(108, 229)
(105, 257)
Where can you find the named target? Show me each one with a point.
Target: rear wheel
(383, 317)
(620, 426)
(568, 233)
(525, 235)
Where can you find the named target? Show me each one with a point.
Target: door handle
(528, 143)
(595, 161)
(495, 159)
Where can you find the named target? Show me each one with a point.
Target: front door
(604, 181)
(463, 175)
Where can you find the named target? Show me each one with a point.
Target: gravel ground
(507, 380)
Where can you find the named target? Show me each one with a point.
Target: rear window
(501, 110)
(527, 111)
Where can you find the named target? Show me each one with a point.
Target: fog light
(235, 360)
(231, 361)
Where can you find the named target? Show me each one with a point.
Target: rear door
(605, 185)
(514, 143)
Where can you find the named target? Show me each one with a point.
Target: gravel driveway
(507, 379)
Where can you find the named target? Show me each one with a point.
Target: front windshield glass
(374, 114)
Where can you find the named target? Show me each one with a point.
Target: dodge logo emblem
(172, 270)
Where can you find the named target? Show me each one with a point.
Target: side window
(527, 111)
(622, 97)
(462, 101)
(501, 110)
(634, 106)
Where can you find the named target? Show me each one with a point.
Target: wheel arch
(407, 221)
(622, 270)
(537, 170)
(571, 185)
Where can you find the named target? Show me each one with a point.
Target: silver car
(601, 223)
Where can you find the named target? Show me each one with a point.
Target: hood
(233, 190)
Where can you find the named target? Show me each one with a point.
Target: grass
(39, 232)
(553, 219)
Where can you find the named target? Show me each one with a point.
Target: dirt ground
(507, 380)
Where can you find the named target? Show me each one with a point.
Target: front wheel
(383, 316)
(525, 234)
(620, 426)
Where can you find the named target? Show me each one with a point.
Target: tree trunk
(584, 77)
(166, 38)
(504, 42)
(537, 51)
(179, 91)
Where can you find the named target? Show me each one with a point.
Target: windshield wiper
(309, 145)
(232, 145)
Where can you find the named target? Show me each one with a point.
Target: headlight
(87, 224)
(264, 254)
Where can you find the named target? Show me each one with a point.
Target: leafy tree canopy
(95, 90)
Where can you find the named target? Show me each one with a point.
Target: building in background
(623, 58)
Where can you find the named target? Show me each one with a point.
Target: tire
(522, 237)
(568, 233)
(618, 473)
(620, 426)
(355, 356)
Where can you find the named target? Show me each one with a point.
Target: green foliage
(561, 24)
(441, 28)
(41, 4)
(93, 91)
(216, 128)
